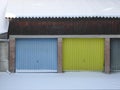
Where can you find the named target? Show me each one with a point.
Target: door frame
(12, 54)
(12, 39)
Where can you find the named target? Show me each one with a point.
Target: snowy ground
(56, 81)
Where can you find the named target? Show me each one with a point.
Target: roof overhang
(63, 26)
(3, 36)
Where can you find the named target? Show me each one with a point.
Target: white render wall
(3, 56)
(3, 45)
(3, 21)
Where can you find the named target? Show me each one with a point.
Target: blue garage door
(36, 55)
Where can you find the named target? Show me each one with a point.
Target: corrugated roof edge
(84, 17)
(64, 26)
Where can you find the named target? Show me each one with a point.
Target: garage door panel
(36, 54)
(115, 54)
(83, 54)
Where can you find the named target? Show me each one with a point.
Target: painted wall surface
(115, 54)
(83, 54)
(3, 21)
(3, 29)
(3, 56)
(36, 54)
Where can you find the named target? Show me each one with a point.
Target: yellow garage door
(83, 54)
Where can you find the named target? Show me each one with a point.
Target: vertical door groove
(36, 55)
(83, 54)
(115, 54)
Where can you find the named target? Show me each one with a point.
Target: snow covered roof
(62, 8)
(3, 22)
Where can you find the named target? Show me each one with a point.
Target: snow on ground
(59, 81)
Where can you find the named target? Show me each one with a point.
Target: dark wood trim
(64, 26)
(59, 55)
(12, 55)
(107, 55)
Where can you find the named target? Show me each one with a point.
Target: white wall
(3, 21)
(3, 29)
(3, 56)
